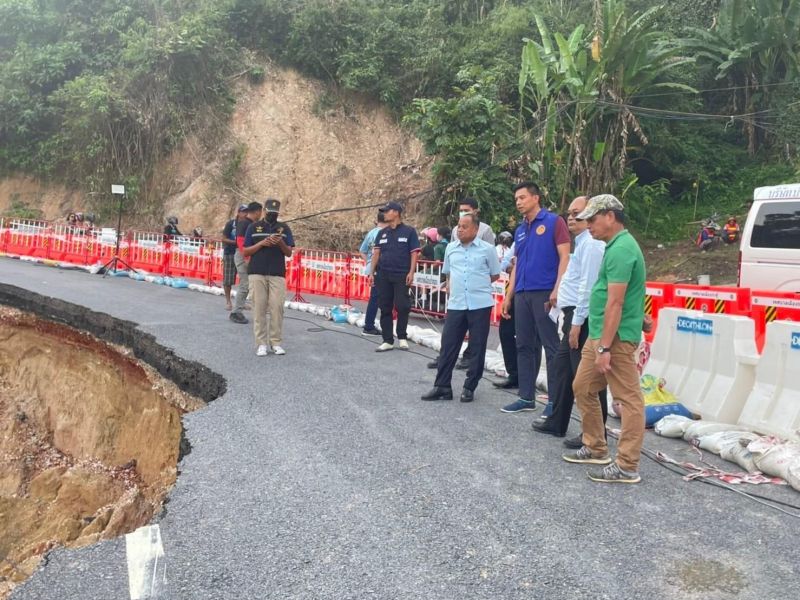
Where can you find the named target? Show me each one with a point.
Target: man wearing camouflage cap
(616, 316)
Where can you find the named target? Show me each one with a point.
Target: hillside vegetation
(682, 110)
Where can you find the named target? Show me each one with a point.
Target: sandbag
(672, 426)
(701, 428)
(793, 476)
(714, 442)
(738, 453)
(776, 457)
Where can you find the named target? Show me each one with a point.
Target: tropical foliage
(582, 95)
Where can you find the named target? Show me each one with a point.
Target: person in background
(616, 320)
(470, 206)
(429, 238)
(441, 246)
(573, 302)
(228, 253)
(394, 259)
(504, 242)
(507, 333)
(171, 228)
(471, 266)
(251, 215)
(366, 253)
(197, 232)
(730, 231)
(268, 243)
(541, 247)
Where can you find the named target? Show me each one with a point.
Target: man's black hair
(618, 215)
(528, 185)
(471, 202)
(444, 232)
(381, 217)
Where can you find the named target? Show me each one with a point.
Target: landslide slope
(289, 137)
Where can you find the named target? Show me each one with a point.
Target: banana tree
(577, 95)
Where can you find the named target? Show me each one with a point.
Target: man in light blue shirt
(471, 266)
(573, 301)
(366, 253)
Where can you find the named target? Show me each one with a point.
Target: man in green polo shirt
(616, 316)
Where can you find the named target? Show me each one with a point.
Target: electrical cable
(758, 498)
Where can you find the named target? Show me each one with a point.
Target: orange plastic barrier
(726, 300)
(768, 306)
(340, 274)
(657, 296)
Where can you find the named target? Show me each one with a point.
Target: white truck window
(777, 225)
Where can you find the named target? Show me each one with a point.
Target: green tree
(752, 46)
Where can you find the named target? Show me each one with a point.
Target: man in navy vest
(541, 244)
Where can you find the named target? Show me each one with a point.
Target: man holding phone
(541, 244)
(268, 243)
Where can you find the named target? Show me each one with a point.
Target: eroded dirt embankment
(90, 436)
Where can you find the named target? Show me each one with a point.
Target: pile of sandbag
(752, 452)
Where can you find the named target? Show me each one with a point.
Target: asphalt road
(321, 474)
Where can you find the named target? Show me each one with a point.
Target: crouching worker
(471, 265)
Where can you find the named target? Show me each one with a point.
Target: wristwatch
(603, 349)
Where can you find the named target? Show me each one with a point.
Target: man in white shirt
(468, 206)
(573, 301)
(471, 267)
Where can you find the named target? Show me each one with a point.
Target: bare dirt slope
(289, 138)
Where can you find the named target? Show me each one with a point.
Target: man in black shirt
(171, 228)
(394, 260)
(268, 243)
(252, 214)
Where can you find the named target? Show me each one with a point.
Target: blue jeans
(372, 309)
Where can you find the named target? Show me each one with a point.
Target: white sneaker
(262, 350)
(403, 344)
(384, 347)
(278, 350)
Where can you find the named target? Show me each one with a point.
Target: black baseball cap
(391, 206)
(272, 205)
(242, 208)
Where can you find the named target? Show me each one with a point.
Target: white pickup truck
(769, 254)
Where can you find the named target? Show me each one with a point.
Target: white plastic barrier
(708, 361)
(773, 406)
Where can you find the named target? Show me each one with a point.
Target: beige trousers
(269, 294)
(623, 379)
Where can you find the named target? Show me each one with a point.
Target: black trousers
(535, 330)
(565, 366)
(393, 293)
(457, 323)
(508, 342)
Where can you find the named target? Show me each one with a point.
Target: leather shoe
(575, 442)
(467, 395)
(434, 364)
(462, 365)
(542, 427)
(506, 384)
(438, 393)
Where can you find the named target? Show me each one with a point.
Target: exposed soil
(290, 138)
(90, 436)
(682, 262)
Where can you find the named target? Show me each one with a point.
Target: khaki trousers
(623, 379)
(269, 294)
